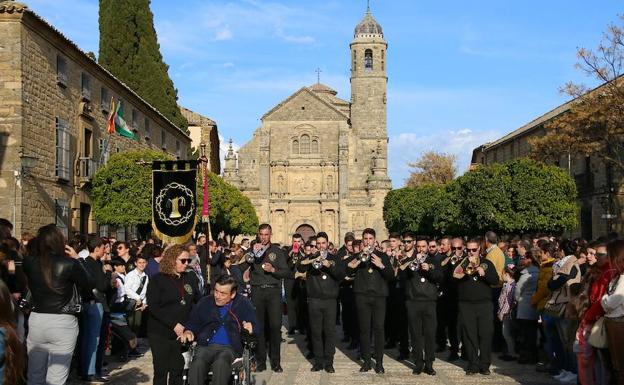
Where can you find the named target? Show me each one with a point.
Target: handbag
(74, 306)
(598, 335)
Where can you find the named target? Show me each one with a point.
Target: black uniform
(266, 295)
(170, 299)
(396, 315)
(323, 286)
(476, 315)
(371, 289)
(447, 306)
(421, 292)
(293, 291)
(350, 327)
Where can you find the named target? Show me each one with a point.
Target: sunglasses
(601, 254)
(473, 250)
(457, 248)
(185, 260)
(407, 241)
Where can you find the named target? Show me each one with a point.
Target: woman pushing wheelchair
(218, 323)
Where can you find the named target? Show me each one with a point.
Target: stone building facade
(317, 162)
(203, 130)
(54, 104)
(599, 187)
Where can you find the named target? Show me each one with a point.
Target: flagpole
(107, 139)
(205, 214)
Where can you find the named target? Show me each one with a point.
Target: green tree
(122, 189)
(543, 197)
(412, 208)
(129, 49)
(230, 210)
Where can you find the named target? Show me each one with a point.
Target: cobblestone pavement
(297, 371)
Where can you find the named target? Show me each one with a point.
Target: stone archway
(306, 231)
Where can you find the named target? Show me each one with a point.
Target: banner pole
(205, 214)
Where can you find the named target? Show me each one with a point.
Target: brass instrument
(254, 256)
(454, 259)
(317, 263)
(468, 267)
(366, 254)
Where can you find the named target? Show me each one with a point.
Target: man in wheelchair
(218, 323)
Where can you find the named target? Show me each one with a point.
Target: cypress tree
(129, 49)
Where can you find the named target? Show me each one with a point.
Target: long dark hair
(616, 255)
(48, 242)
(14, 350)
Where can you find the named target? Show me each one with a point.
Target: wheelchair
(241, 367)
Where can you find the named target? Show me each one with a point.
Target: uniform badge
(324, 276)
(188, 289)
(272, 257)
(422, 280)
(484, 266)
(370, 271)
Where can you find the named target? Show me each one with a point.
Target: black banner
(174, 200)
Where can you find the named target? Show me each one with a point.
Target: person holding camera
(324, 272)
(372, 273)
(55, 275)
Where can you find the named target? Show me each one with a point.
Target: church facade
(317, 162)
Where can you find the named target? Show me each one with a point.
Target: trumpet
(250, 257)
(318, 261)
(366, 254)
(469, 267)
(454, 259)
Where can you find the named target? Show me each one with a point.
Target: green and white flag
(117, 119)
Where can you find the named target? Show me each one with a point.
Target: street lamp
(27, 163)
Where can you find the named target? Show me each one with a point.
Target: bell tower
(369, 82)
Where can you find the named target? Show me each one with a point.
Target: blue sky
(461, 73)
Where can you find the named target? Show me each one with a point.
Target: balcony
(88, 167)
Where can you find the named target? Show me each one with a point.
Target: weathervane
(318, 75)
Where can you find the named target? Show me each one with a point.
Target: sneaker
(561, 374)
(569, 378)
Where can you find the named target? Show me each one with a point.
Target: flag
(110, 127)
(116, 122)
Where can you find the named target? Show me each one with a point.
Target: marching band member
(475, 277)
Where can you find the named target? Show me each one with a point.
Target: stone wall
(31, 115)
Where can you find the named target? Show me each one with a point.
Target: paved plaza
(297, 371)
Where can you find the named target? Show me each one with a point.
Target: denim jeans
(553, 347)
(91, 323)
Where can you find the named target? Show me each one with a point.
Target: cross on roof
(318, 75)
(367, 6)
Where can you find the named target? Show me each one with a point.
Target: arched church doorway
(306, 231)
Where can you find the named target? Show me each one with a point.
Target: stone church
(318, 162)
